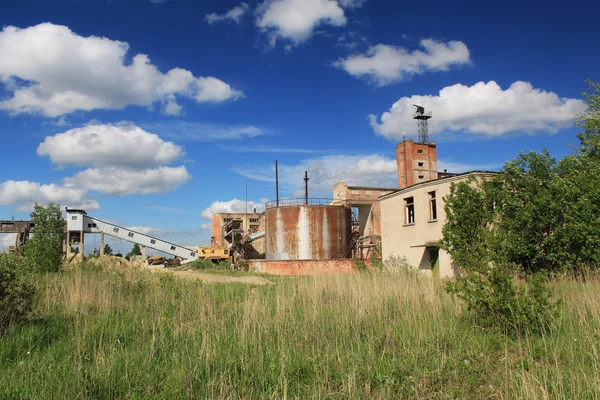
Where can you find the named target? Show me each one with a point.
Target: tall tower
(422, 117)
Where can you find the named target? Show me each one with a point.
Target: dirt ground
(215, 278)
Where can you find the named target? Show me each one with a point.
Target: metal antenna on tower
(422, 116)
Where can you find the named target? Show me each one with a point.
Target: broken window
(432, 206)
(130, 234)
(116, 230)
(227, 220)
(152, 241)
(421, 164)
(92, 226)
(74, 218)
(253, 219)
(420, 151)
(421, 176)
(253, 228)
(172, 247)
(409, 210)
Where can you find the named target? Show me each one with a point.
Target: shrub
(495, 299)
(16, 294)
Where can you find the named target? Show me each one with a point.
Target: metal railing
(298, 202)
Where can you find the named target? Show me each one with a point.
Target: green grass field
(134, 335)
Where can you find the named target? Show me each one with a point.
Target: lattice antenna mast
(422, 117)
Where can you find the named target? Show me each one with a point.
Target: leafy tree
(466, 234)
(108, 251)
(44, 249)
(135, 251)
(545, 214)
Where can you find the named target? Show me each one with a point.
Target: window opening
(130, 234)
(421, 164)
(410, 210)
(432, 206)
(152, 241)
(116, 230)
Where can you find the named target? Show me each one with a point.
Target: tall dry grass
(124, 333)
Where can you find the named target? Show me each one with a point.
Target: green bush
(495, 299)
(16, 293)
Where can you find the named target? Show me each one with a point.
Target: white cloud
(204, 132)
(232, 206)
(109, 145)
(352, 3)
(122, 181)
(325, 172)
(483, 108)
(160, 232)
(295, 20)
(24, 194)
(53, 71)
(207, 226)
(383, 64)
(235, 15)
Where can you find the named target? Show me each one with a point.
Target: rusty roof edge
(439, 180)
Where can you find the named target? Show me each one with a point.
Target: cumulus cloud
(295, 20)
(383, 64)
(122, 181)
(235, 15)
(24, 194)
(109, 145)
(232, 206)
(484, 108)
(51, 70)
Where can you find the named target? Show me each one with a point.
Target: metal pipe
(306, 187)
(276, 184)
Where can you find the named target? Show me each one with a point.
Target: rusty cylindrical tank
(307, 232)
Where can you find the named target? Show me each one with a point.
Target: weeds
(127, 333)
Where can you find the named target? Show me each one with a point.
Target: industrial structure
(422, 117)
(243, 231)
(307, 229)
(79, 223)
(314, 235)
(364, 202)
(21, 229)
(412, 219)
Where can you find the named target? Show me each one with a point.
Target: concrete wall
(302, 267)
(366, 199)
(417, 240)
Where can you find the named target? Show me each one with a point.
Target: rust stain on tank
(307, 232)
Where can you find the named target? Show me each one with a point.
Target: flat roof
(369, 188)
(438, 180)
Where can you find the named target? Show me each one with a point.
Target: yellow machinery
(215, 254)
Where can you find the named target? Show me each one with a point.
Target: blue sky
(152, 113)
